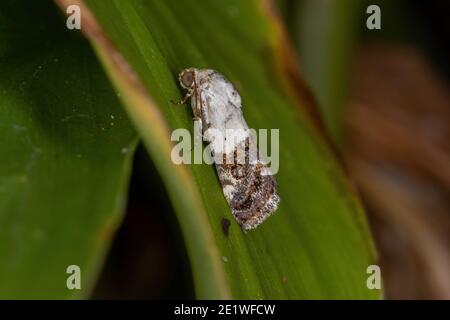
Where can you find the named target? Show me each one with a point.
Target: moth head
(187, 77)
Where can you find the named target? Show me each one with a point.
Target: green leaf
(317, 244)
(66, 148)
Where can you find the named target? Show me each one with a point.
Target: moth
(247, 183)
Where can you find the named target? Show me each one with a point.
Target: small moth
(247, 183)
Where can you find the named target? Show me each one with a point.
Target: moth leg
(198, 129)
(197, 109)
(197, 114)
(198, 123)
(185, 98)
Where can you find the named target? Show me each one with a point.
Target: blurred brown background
(385, 98)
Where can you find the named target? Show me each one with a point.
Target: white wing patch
(247, 183)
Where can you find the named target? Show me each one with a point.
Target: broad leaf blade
(65, 147)
(317, 245)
